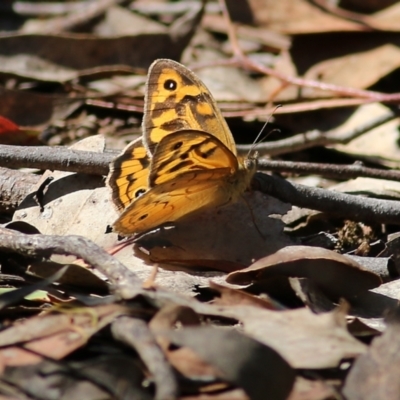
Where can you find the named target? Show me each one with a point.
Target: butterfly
(188, 162)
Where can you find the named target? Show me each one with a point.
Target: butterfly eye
(170, 85)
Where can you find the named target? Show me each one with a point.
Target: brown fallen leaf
(335, 274)
(306, 340)
(53, 335)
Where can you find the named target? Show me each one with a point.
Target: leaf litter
(261, 299)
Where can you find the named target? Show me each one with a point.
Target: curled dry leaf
(232, 297)
(335, 274)
(76, 276)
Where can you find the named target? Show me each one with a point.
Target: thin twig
(334, 171)
(55, 158)
(342, 205)
(45, 245)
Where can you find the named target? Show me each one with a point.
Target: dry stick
(342, 205)
(334, 171)
(135, 333)
(55, 158)
(120, 277)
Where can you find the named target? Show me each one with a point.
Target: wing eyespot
(177, 146)
(139, 192)
(142, 217)
(170, 85)
(184, 156)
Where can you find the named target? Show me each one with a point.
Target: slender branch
(342, 205)
(60, 158)
(45, 245)
(334, 171)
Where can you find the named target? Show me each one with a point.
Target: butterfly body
(191, 162)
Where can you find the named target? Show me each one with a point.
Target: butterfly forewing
(176, 100)
(186, 151)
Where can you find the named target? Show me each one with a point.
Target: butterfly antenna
(256, 141)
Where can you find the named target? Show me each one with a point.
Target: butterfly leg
(252, 217)
(150, 282)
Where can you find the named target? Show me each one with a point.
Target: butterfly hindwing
(129, 174)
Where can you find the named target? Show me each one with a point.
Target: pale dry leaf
(119, 21)
(379, 144)
(298, 17)
(304, 339)
(74, 204)
(370, 187)
(32, 67)
(228, 83)
(349, 69)
(273, 87)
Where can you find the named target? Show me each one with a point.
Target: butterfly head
(250, 162)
